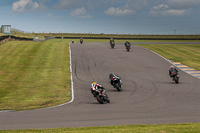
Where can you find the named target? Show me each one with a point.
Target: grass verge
(188, 54)
(34, 74)
(165, 128)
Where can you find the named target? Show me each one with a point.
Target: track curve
(148, 96)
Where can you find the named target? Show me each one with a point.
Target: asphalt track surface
(148, 96)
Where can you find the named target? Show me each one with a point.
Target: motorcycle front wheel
(176, 79)
(100, 99)
(107, 99)
(118, 87)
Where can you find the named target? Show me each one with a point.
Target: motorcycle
(128, 47)
(81, 41)
(112, 44)
(175, 77)
(101, 96)
(117, 83)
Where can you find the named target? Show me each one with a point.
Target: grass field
(118, 35)
(188, 54)
(164, 128)
(1, 34)
(34, 74)
(79, 35)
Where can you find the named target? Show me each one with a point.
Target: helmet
(93, 85)
(171, 66)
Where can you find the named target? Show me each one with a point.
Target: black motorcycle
(101, 96)
(175, 77)
(117, 83)
(128, 47)
(81, 41)
(112, 44)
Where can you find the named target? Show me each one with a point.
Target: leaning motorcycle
(102, 96)
(112, 44)
(128, 47)
(117, 83)
(175, 77)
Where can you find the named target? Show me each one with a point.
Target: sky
(102, 16)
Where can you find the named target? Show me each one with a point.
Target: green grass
(34, 74)
(118, 35)
(41, 35)
(1, 34)
(188, 54)
(165, 128)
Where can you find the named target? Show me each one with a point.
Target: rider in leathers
(94, 87)
(171, 70)
(112, 77)
(111, 40)
(127, 43)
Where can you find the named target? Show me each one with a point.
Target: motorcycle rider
(81, 40)
(112, 77)
(171, 70)
(127, 43)
(111, 40)
(94, 87)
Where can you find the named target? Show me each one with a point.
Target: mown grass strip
(141, 36)
(165, 128)
(187, 54)
(2, 34)
(34, 74)
(136, 36)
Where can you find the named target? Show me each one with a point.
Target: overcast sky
(103, 16)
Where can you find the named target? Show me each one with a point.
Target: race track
(148, 96)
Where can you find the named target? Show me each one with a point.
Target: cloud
(164, 10)
(127, 7)
(183, 4)
(68, 4)
(118, 12)
(80, 12)
(22, 6)
(135, 4)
